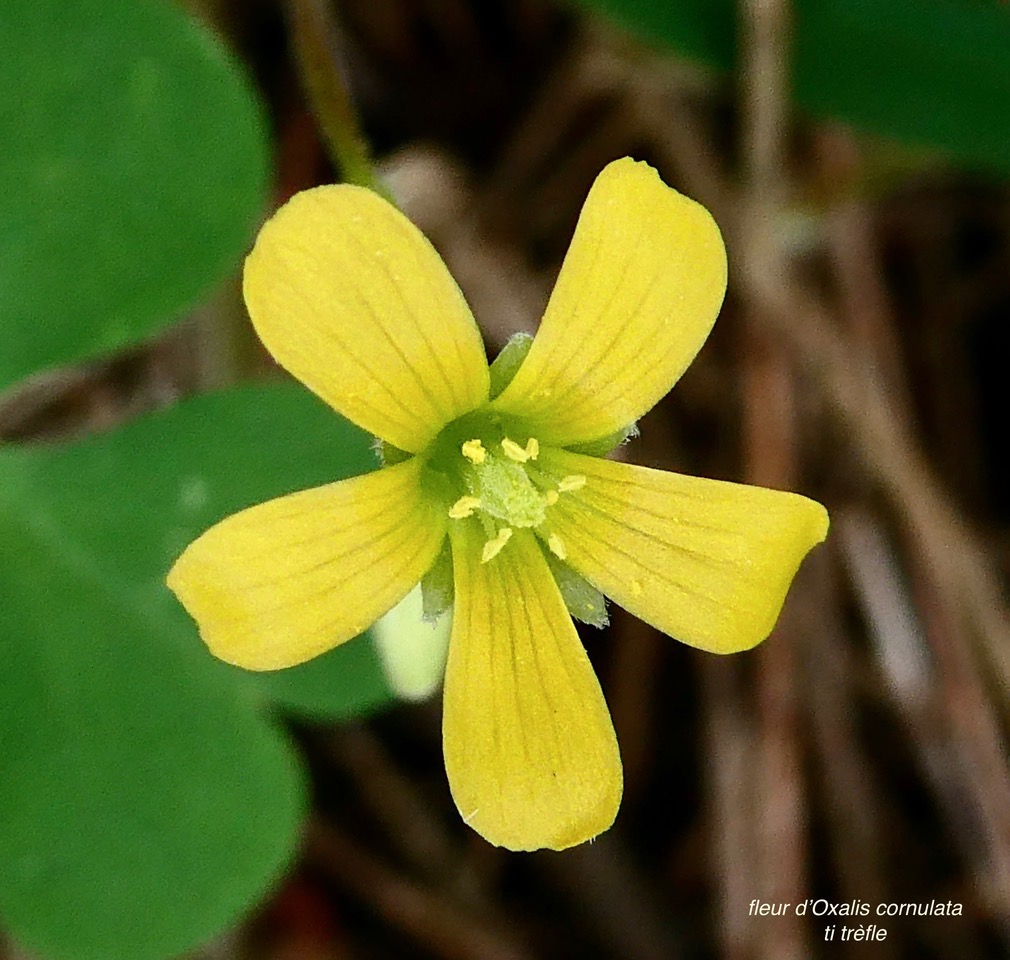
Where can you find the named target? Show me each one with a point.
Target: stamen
(493, 547)
(551, 497)
(557, 546)
(572, 482)
(474, 451)
(513, 451)
(464, 507)
(532, 448)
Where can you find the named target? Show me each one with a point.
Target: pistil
(505, 491)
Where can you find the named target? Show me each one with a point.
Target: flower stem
(313, 37)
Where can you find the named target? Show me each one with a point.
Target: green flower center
(489, 474)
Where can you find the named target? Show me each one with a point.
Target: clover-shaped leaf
(146, 797)
(134, 164)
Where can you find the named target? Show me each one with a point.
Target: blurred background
(856, 158)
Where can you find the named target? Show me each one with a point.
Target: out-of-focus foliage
(133, 169)
(933, 73)
(145, 796)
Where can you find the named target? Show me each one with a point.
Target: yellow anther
(551, 497)
(464, 507)
(557, 546)
(513, 451)
(572, 482)
(474, 451)
(493, 547)
(636, 588)
(532, 448)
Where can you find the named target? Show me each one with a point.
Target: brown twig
(828, 678)
(977, 738)
(728, 744)
(972, 730)
(433, 921)
(417, 835)
(769, 411)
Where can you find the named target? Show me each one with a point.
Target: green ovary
(486, 474)
(479, 473)
(506, 492)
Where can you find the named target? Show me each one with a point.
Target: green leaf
(346, 682)
(146, 799)
(142, 805)
(134, 159)
(702, 30)
(932, 73)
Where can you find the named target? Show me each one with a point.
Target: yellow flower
(499, 464)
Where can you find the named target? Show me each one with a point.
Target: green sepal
(436, 585)
(508, 362)
(583, 600)
(607, 444)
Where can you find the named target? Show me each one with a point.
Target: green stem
(313, 29)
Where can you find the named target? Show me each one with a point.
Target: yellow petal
(529, 747)
(706, 562)
(350, 297)
(284, 581)
(637, 295)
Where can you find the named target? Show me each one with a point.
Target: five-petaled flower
(494, 492)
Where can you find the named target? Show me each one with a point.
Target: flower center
(494, 479)
(501, 482)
